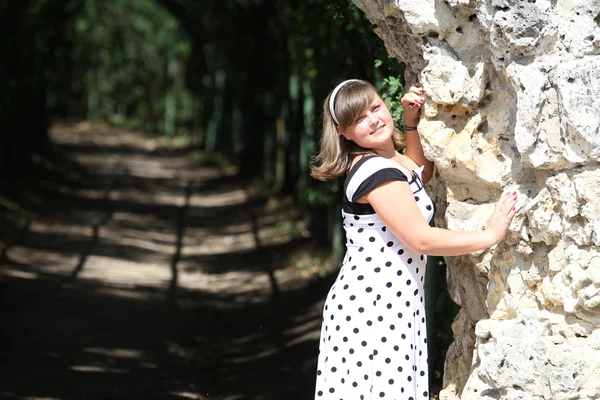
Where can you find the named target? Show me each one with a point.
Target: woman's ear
(341, 132)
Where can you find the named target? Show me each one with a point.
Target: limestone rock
(513, 103)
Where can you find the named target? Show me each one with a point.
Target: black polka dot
(384, 228)
(319, 393)
(389, 284)
(417, 198)
(390, 244)
(356, 217)
(408, 282)
(371, 239)
(388, 264)
(369, 289)
(428, 207)
(368, 259)
(381, 394)
(360, 277)
(361, 310)
(401, 251)
(361, 248)
(409, 261)
(360, 230)
(377, 269)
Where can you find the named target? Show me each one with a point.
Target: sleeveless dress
(373, 341)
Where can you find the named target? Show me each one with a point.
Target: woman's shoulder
(368, 172)
(371, 162)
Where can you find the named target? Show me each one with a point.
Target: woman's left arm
(412, 102)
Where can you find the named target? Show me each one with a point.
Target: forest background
(241, 80)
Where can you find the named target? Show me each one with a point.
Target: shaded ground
(130, 270)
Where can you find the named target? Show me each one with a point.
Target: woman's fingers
(416, 89)
(508, 202)
(412, 100)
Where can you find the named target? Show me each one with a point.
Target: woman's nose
(372, 119)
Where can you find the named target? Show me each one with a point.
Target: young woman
(373, 339)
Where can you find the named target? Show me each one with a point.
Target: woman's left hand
(412, 102)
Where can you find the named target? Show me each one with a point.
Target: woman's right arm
(403, 217)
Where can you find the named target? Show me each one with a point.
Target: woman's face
(373, 128)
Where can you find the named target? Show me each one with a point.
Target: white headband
(332, 98)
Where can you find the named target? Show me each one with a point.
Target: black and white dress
(374, 340)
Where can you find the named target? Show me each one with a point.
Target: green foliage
(324, 193)
(392, 94)
(122, 52)
(392, 86)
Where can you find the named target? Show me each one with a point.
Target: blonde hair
(336, 152)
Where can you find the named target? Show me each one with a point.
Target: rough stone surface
(513, 103)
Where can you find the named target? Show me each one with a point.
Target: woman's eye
(376, 107)
(360, 119)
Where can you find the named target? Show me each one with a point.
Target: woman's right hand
(502, 216)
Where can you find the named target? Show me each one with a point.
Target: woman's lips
(378, 130)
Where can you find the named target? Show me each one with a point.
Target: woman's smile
(378, 130)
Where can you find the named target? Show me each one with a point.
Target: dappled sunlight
(145, 266)
(232, 198)
(240, 242)
(46, 261)
(115, 352)
(98, 369)
(114, 271)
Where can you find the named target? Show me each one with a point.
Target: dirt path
(133, 271)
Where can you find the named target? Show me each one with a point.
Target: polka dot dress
(373, 339)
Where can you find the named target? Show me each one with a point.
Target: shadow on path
(131, 270)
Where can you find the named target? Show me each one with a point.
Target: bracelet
(410, 128)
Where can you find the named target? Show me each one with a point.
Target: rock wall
(513, 102)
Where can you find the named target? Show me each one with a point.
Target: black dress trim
(378, 177)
